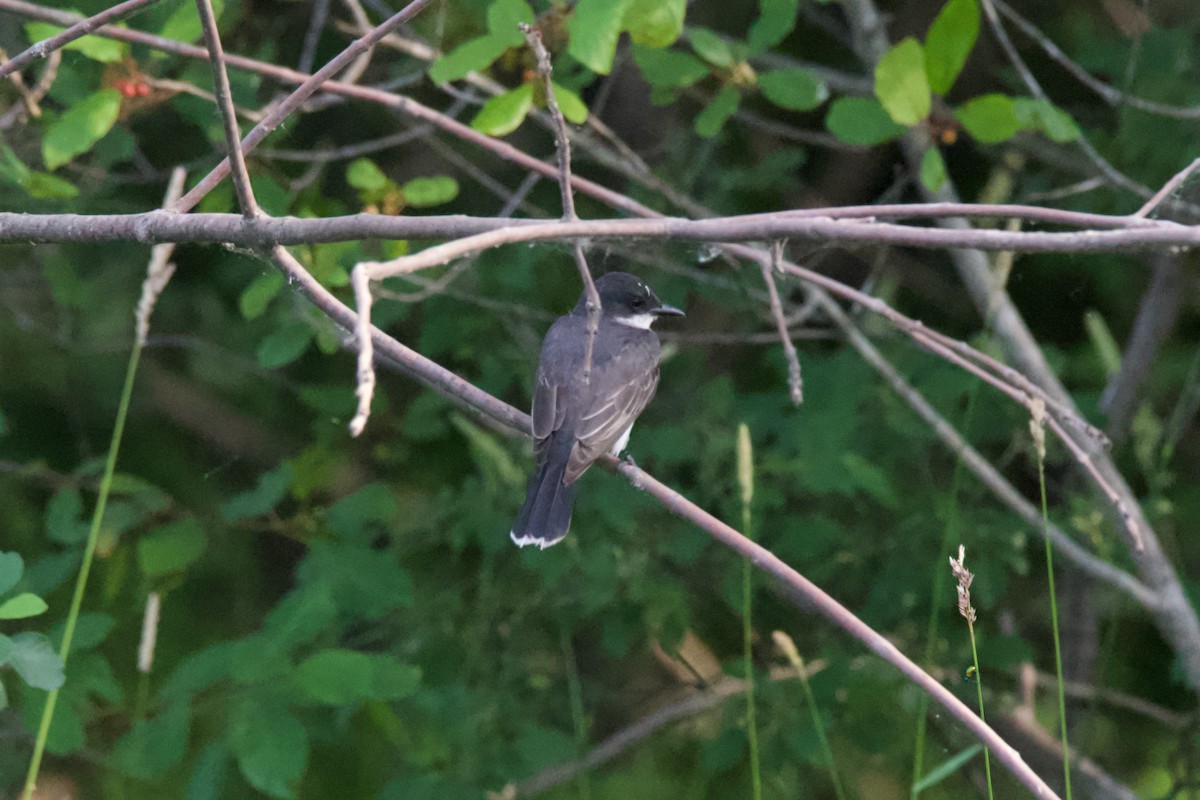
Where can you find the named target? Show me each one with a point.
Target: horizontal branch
(824, 225)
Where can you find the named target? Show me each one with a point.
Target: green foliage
(347, 617)
(793, 89)
(80, 127)
(98, 48)
(503, 16)
(949, 42)
(594, 26)
(504, 113)
(901, 84)
(933, 169)
(776, 20)
(989, 118)
(861, 121)
(710, 121)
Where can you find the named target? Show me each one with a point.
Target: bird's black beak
(667, 311)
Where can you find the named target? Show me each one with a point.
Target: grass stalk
(745, 471)
(935, 603)
(785, 643)
(964, 577)
(1037, 429)
(158, 273)
(578, 718)
(89, 553)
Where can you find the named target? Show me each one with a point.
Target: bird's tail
(546, 514)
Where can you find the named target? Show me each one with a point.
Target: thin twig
(312, 36)
(293, 101)
(236, 158)
(562, 145)
(795, 378)
(78, 30)
(1168, 187)
(1080, 558)
(1114, 176)
(1110, 94)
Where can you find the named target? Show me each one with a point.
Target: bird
(576, 420)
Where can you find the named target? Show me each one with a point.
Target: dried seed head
(1037, 426)
(964, 578)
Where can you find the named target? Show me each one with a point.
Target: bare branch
(1110, 94)
(159, 270)
(795, 379)
(562, 145)
(77, 30)
(296, 99)
(224, 97)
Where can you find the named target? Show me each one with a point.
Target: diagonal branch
(224, 98)
(562, 145)
(293, 101)
(797, 588)
(76, 31)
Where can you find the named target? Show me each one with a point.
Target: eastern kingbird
(574, 423)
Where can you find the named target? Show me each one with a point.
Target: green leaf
(258, 295)
(184, 22)
(901, 84)
(432, 191)
(171, 548)
(655, 23)
(80, 127)
(541, 747)
(946, 769)
(594, 26)
(362, 174)
(475, 55)
(488, 453)
(950, 40)
(350, 516)
(1051, 120)
(504, 113)
(96, 48)
(776, 19)
(208, 776)
(793, 89)
(341, 677)
(270, 489)
(22, 606)
(91, 628)
(504, 17)
(860, 121)
(153, 746)
(44, 186)
(284, 345)
(36, 662)
(63, 523)
(669, 68)
(573, 109)
(12, 566)
(271, 747)
(933, 169)
(711, 47)
(990, 118)
(710, 121)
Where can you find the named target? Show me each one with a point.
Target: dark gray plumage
(575, 423)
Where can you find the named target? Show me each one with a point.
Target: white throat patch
(643, 321)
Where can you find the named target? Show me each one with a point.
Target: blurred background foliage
(347, 618)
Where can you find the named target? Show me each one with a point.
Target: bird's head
(624, 298)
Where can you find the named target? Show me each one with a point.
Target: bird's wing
(607, 418)
(549, 406)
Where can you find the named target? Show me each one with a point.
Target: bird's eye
(639, 303)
